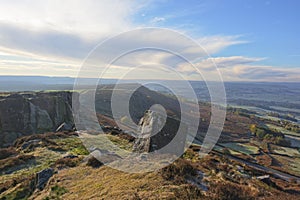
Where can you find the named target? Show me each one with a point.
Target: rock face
(153, 138)
(27, 113)
(42, 178)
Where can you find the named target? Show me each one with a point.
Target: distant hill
(38, 83)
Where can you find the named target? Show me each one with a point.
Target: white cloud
(88, 19)
(239, 68)
(214, 44)
(70, 29)
(265, 73)
(52, 37)
(156, 20)
(63, 31)
(212, 63)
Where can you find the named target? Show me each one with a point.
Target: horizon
(69, 77)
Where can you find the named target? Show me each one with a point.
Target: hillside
(253, 159)
(77, 175)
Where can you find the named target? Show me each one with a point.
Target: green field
(282, 130)
(242, 148)
(292, 165)
(286, 151)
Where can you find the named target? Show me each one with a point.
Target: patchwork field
(292, 152)
(282, 130)
(242, 148)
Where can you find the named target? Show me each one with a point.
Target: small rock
(65, 127)
(28, 143)
(70, 156)
(43, 177)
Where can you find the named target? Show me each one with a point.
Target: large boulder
(156, 131)
(43, 177)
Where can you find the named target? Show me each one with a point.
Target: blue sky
(271, 27)
(248, 40)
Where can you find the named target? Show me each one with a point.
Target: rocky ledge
(28, 113)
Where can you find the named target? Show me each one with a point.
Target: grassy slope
(105, 183)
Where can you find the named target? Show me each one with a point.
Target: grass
(56, 192)
(80, 150)
(73, 145)
(178, 171)
(291, 165)
(106, 183)
(7, 152)
(67, 162)
(44, 156)
(189, 154)
(282, 130)
(107, 142)
(20, 188)
(47, 154)
(286, 151)
(15, 162)
(242, 148)
(122, 143)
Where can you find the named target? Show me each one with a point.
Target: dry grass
(94, 162)
(178, 171)
(7, 152)
(7, 163)
(105, 183)
(67, 162)
(44, 137)
(18, 188)
(229, 191)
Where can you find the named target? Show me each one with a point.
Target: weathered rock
(25, 145)
(28, 113)
(151, 138)
(71, 156)
(8, 138)
(93, 162)
(42, 178)
(104, 156)
(65, 127)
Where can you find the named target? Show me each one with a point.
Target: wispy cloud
(88, 19)
(265, 73)
(53, 37)
(212, 63)
(156, 20)
(215, 43)
(239, 68)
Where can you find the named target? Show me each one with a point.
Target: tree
(253, 128)
(260, 133)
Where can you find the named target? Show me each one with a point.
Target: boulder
(65, 127)
(104, 156)
(43, 177)
(151, 137)
(25, 145)
(71, 156)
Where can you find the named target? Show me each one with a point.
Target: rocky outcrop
(42, 178)
(27, 113)
(157, 131)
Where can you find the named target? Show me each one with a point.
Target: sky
(252, 40)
